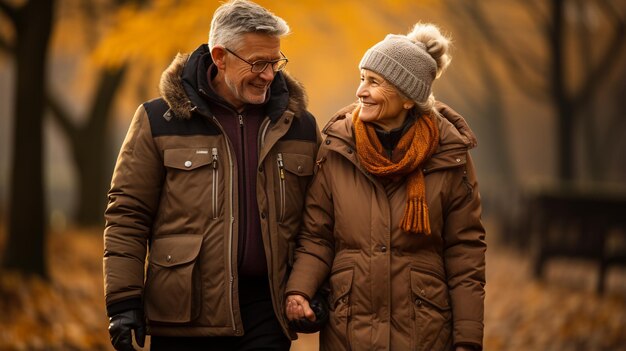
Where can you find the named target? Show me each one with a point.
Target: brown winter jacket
(174, 200)
(389, 289)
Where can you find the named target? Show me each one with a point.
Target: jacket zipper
(216, 176)
(244, 201)
(230, 233)
(281, 172)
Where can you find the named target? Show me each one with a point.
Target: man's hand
(120, 326)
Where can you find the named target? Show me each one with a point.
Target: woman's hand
(296, 307)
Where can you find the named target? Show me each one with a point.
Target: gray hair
(238, 17)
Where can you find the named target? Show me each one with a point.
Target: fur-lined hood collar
(185, 77)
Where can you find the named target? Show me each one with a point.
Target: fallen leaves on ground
(64, 313)
(560, 313)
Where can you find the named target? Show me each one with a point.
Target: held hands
(297, 307)
(120, 326)
(304, 316)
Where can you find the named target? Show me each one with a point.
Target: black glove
(120, 326)
(303, 325)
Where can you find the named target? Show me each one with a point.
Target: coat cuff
(468, 332)
(124, 305)
(296, 292)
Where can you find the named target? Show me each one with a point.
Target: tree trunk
(25, 250)
(93, 176)
(565, 113)
(90, 147)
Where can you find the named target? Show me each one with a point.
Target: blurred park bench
(575, 221)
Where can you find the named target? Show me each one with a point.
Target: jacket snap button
(187, 164)
(458, 160)
(349, 151)
(168, 258)
(263, 215)
(299, 169)
(418, 302)
(383, 248)
(327, 142)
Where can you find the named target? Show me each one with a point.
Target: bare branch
(109, 81)
(605, 66)
(60, 114)
(529, 77)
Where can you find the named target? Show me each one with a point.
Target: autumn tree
(32, 24)
(89, 134)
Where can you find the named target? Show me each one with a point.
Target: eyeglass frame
(252, 64)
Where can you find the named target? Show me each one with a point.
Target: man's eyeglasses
(261, 65)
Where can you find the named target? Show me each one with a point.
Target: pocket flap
(430, 288)
(300, 165)
(187, 159)
(445, 159)
(340, 285)
(175, 250)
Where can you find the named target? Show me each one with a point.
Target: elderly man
(209, 187)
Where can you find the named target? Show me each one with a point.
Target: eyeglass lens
(260, 66)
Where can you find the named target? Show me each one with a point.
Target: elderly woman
(392, 224)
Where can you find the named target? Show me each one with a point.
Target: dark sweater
(242, 129)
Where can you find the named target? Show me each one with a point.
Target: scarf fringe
(416, 219)
(415, 147)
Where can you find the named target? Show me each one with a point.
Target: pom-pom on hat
(404, 63)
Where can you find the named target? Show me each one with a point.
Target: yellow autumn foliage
(324, 48)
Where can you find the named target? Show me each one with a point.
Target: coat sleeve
(132, 203)
(464, 255)
(315, 248)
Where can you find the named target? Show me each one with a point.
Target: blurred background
(541, 82)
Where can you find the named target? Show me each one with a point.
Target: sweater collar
(389, 139)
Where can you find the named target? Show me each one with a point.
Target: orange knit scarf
(415, 147)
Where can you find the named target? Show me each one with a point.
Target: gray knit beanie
(404, 63)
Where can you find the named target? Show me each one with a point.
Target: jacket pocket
(172, 291)
(432, 316)
(340, 305)
(194, 174)
(294, 171)
(187, 159)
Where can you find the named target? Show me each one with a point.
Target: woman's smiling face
(381, 103)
